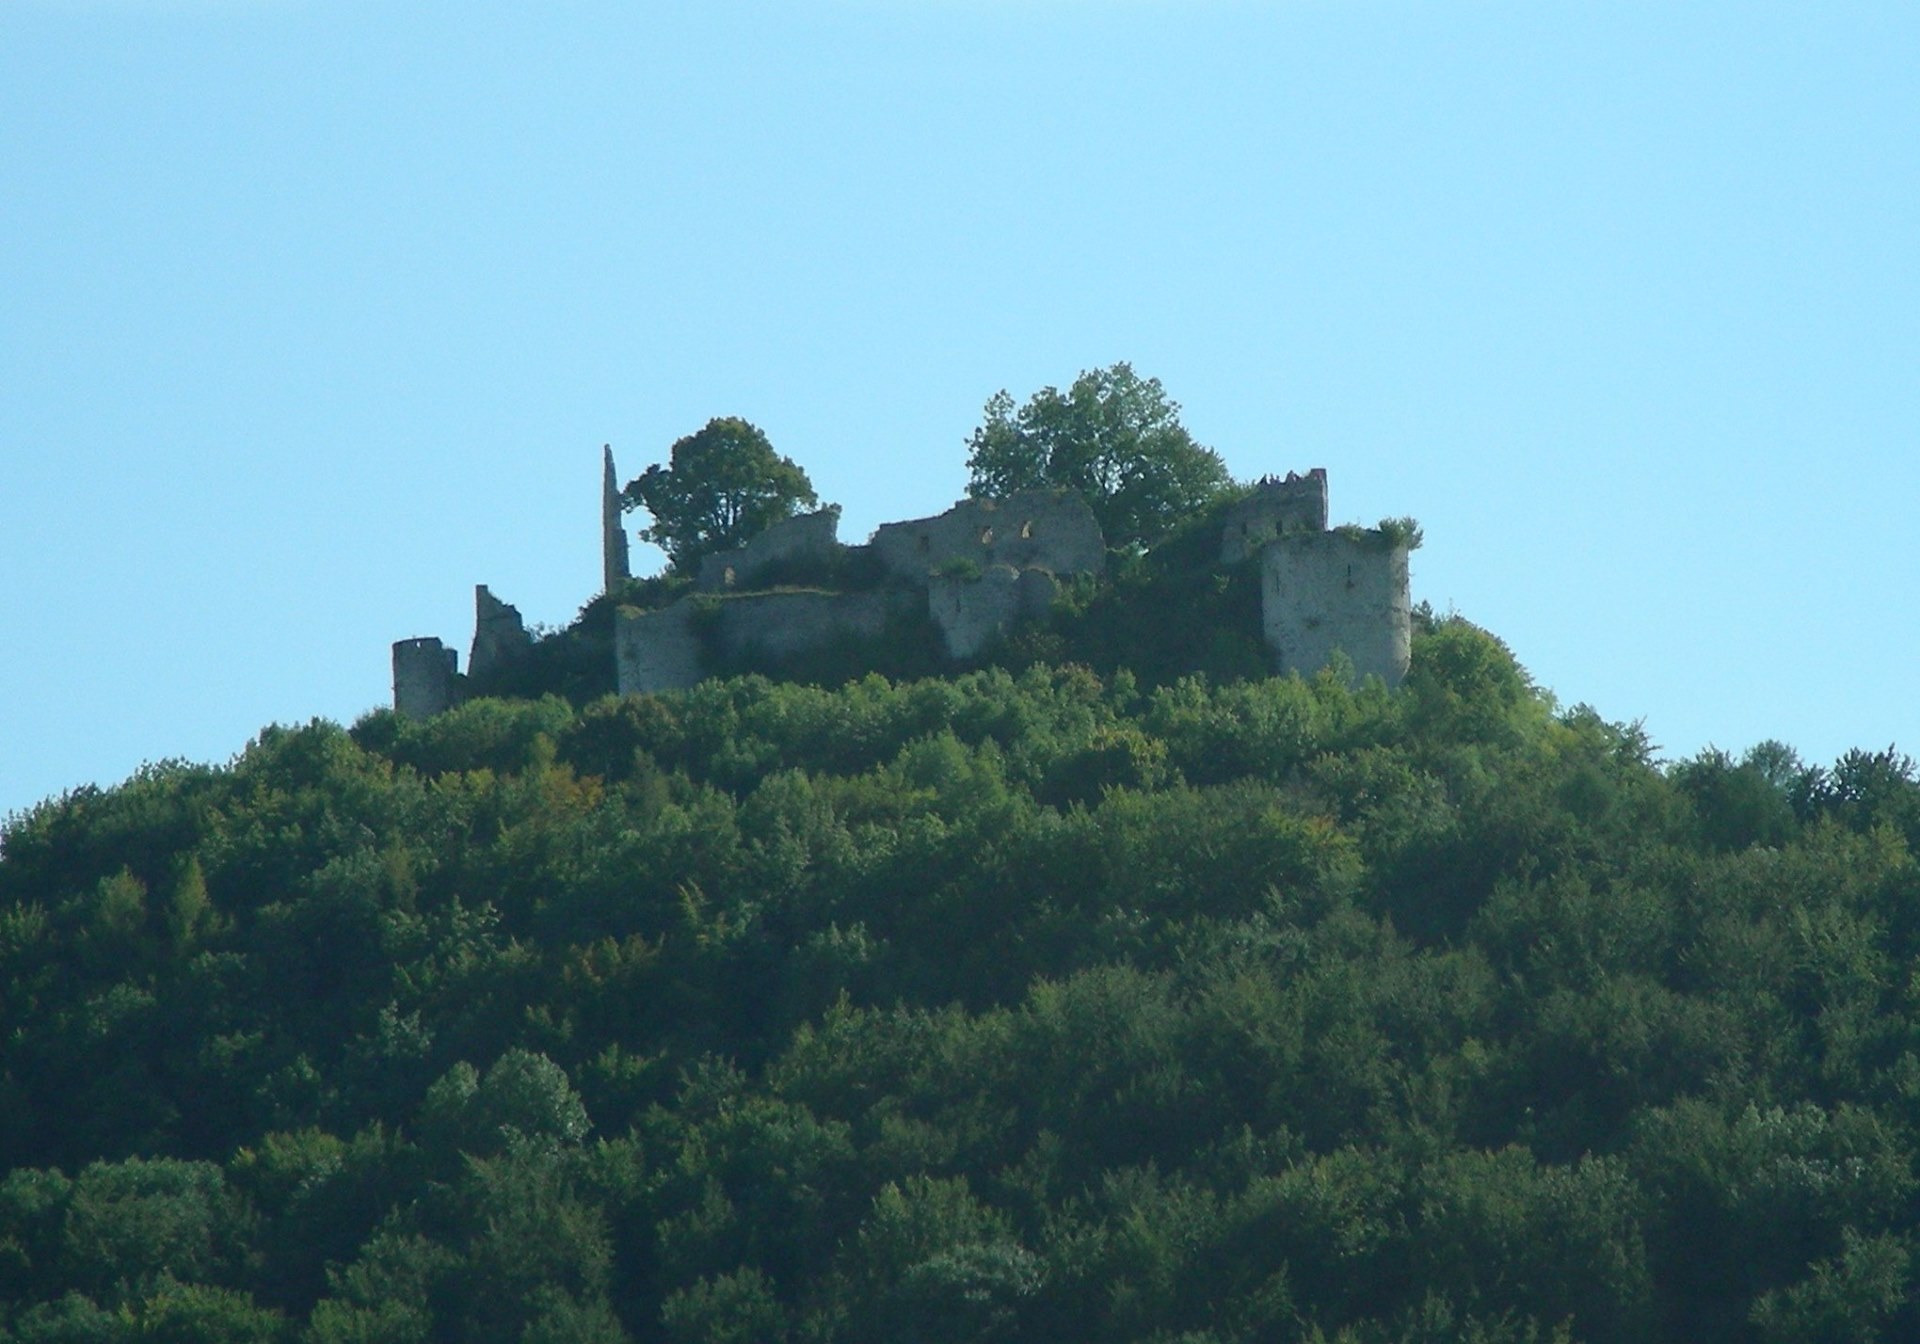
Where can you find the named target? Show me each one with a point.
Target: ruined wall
(662, 650)
(655, 650)
(1274, 508)
(780, 625)
(423, 677)
(1332, 590)
(500, 637)
(1052, 530)
(1320, 591)
(971, 613)
(808, 536)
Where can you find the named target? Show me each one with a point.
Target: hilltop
(1107, 910)
(1249, 583)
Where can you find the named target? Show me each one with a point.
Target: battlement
(1274, 508)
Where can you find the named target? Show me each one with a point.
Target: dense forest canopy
(1032, 1003)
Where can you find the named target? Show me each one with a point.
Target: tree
(719, 488)
(1113, 436)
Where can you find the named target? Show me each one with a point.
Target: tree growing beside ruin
(718, 488)
(1113, 436)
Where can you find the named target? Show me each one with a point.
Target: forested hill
(1017, 1006)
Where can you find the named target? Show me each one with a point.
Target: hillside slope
(1007, 1006)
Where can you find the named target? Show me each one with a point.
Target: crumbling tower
(1274, 508)
(424, 672)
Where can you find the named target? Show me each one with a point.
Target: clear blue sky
(312, 315)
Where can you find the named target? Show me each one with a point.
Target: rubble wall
(1052, 530)
(810, 535)
(500, 637)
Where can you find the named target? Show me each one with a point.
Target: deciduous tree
(718, 488)
(1113, 436)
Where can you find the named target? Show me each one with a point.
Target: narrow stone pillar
(613, 532)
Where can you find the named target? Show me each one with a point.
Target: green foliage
(1853, 1296)
(1114, 437)
(1091, 1002)
(1397, 532)
(132, 1226)
(523, 1102)
(736, 1308)
(719, 487)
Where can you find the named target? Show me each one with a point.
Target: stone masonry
(499, 635)
(1327, 591)
(971, 613)
(655, 650)
(976, 570)
(1052, 530)
(423, 677)
(615, 569)
(1274, 508)
(663, 649)
(810, 536)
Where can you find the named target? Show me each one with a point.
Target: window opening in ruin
(986, 536)
(1026, 530)
(926, 542)
(726, 579)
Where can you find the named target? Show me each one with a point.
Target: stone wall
(781, 625)
(810, 536)
(1333, 590)
(980, 567)
(423, 677)
(1274, 508)
(663, 650)
(971, 613)
(500, 637)
(1052, 530)
(655, 650)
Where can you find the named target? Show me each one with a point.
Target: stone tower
(1274, 508)
(613, 533)
(1322, 591)
(423, 678)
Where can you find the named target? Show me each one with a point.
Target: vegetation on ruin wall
(1162, 614)
(1006, 1006)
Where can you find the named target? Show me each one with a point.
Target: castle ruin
(975, 571)
(1274, 508)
